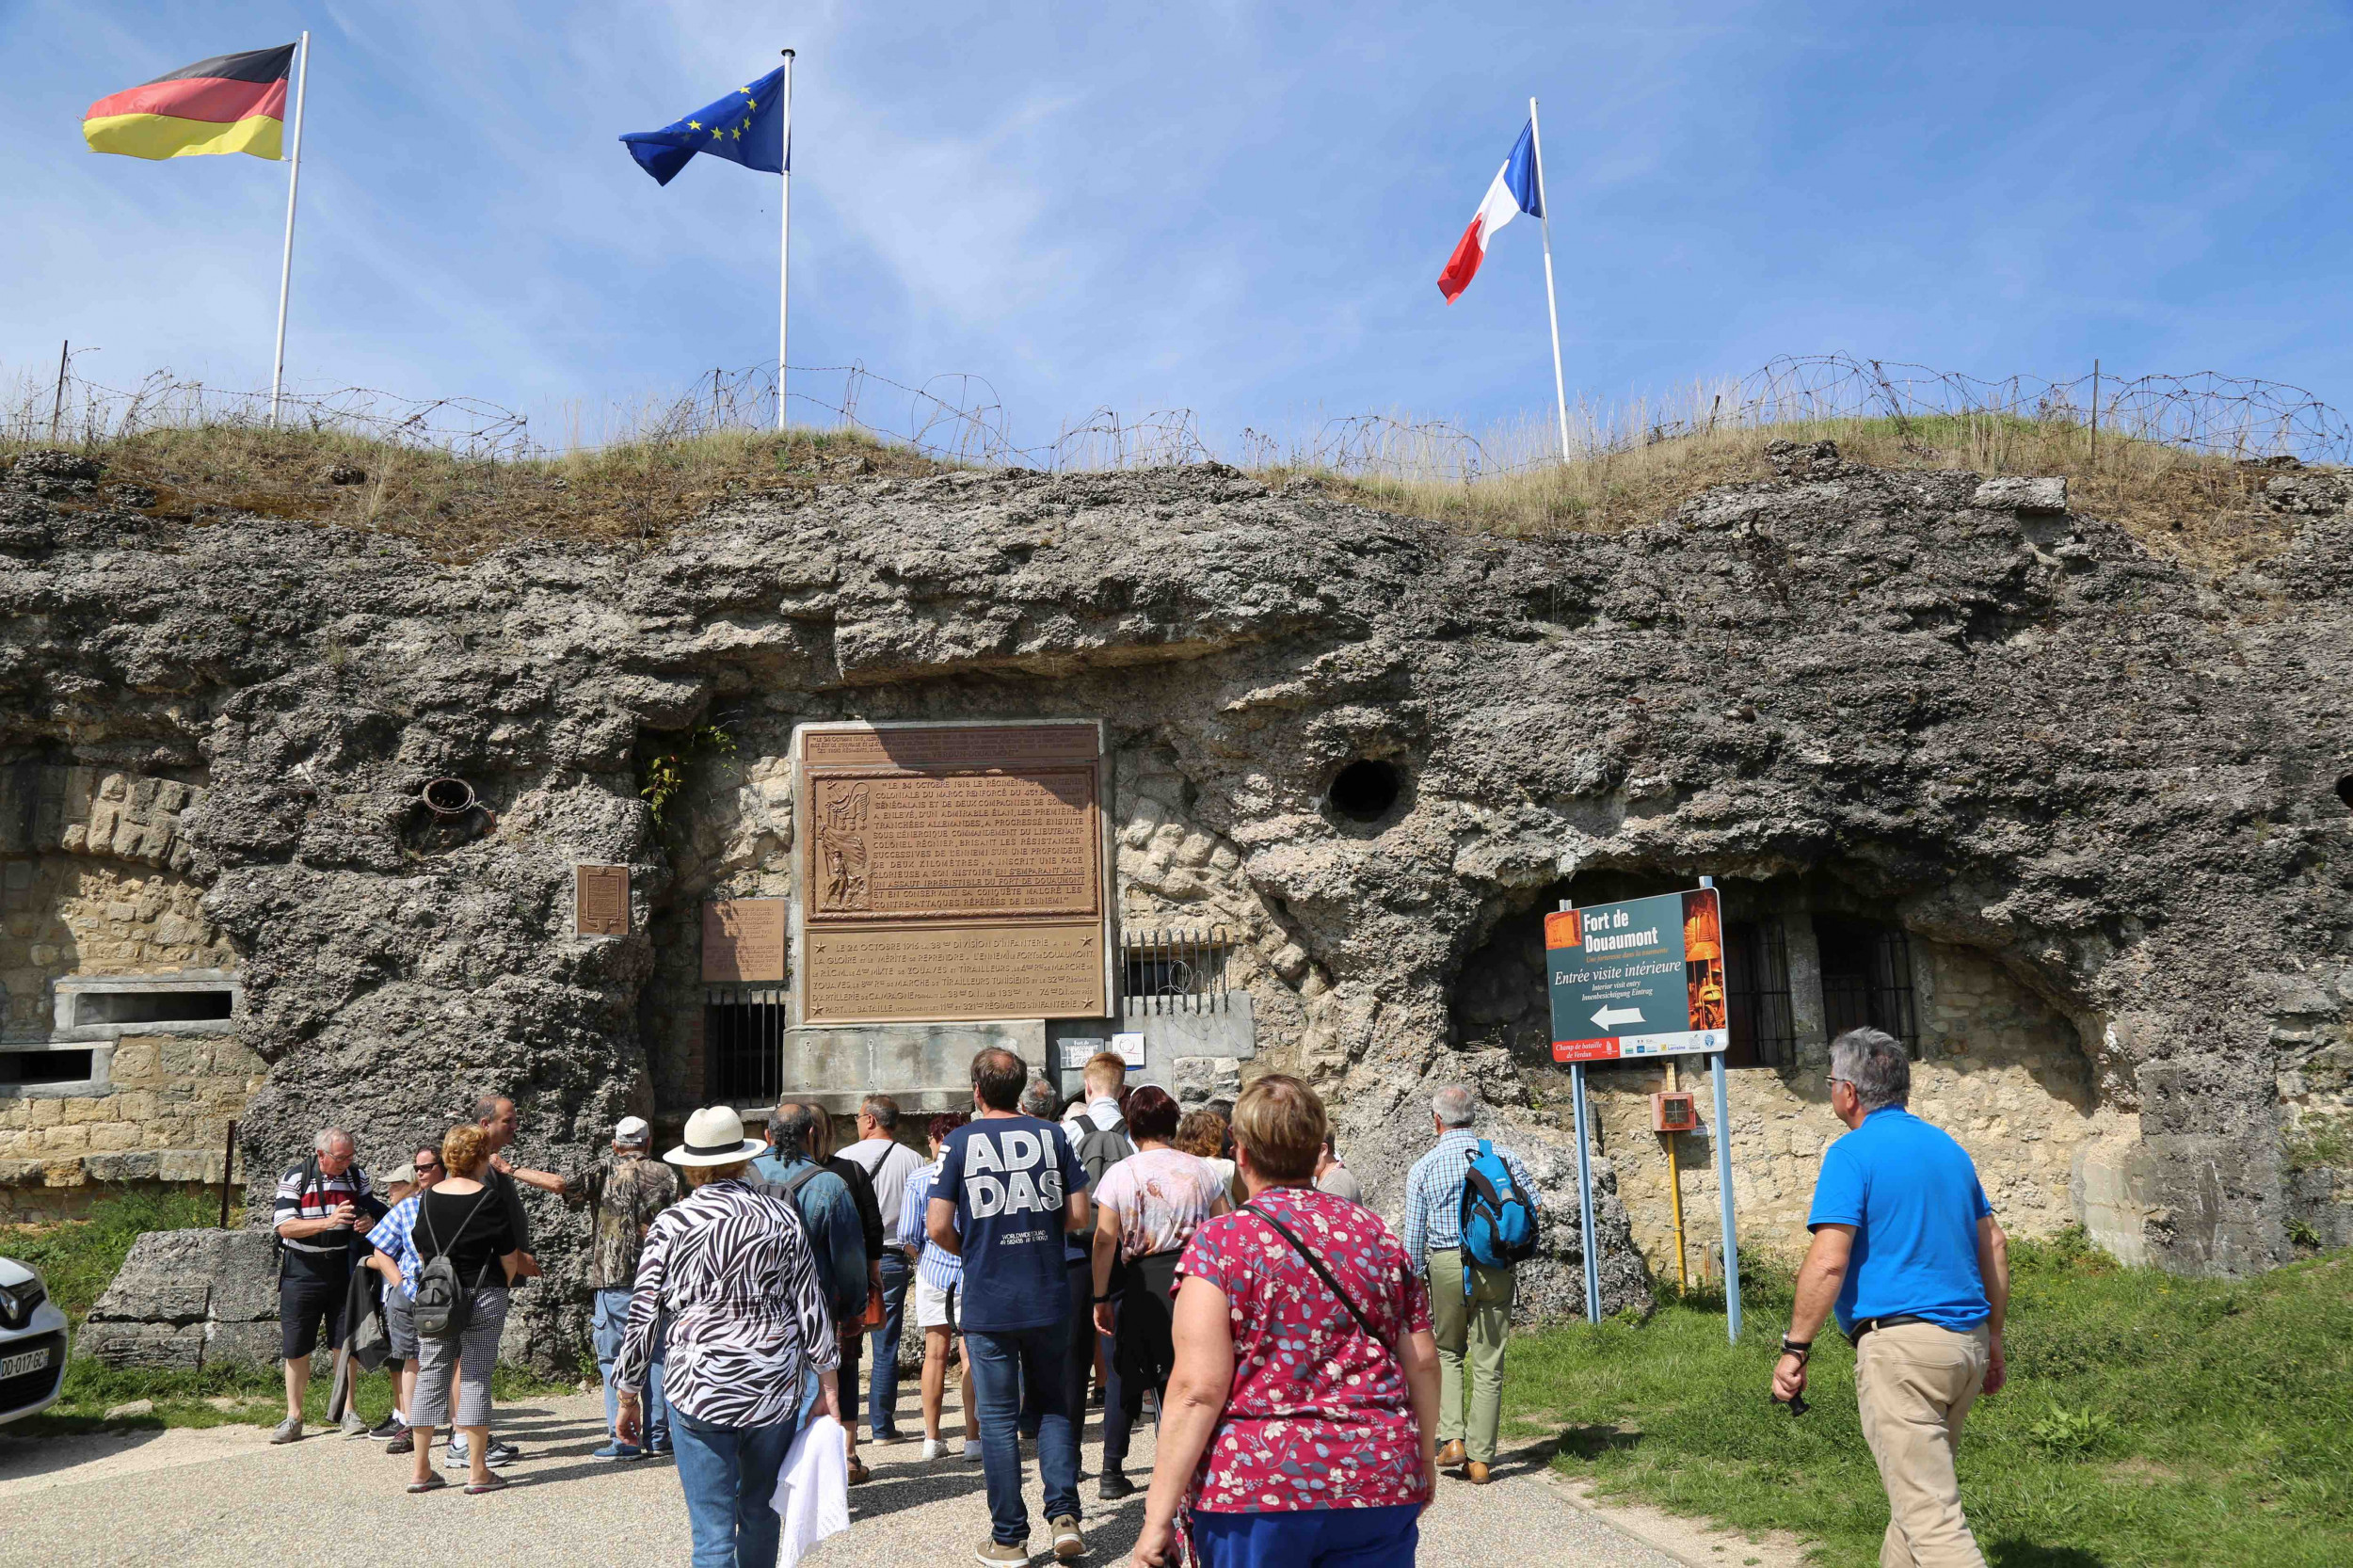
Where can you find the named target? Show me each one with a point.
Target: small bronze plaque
(950, 972)
(883, 845)
(743, 939)
(600, 900)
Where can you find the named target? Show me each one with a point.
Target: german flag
(229, 104)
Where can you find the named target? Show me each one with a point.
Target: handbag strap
(1322, 1274)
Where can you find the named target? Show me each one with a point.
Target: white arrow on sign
(1612, 1015)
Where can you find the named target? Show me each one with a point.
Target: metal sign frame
(1631, 985)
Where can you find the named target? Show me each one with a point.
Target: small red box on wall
(1672, 1110)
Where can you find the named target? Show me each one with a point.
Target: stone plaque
(936, 843)
(600, 900)
(946, 971)
(743, 939)
(951, 873)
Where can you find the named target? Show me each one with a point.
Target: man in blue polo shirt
(1907, 1248)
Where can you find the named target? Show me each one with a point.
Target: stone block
(188, 1165)
(2021, 495)
(244, 1344)
(143, 1346)
(111, 1137)
(134, 1060)
(123, 1162)
(21, 1173)
(67, 1140)
(43, 1113)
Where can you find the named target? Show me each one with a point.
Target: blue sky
(1236, 209)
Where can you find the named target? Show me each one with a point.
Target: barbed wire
(961, 419)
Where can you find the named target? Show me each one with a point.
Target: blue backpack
(1498, 1219)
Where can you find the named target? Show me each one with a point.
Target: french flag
(1518, 188)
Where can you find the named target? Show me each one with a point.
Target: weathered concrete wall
(2015, 733)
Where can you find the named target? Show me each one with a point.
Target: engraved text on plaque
(950, 873)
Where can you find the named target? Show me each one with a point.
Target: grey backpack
(442, 1304)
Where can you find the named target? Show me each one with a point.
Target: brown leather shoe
(1450, 1455)
(1476, 1473)
(859, 1474)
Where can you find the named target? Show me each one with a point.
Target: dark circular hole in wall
(2345, 789)
(1364, 790)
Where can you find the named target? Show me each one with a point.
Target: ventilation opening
(743, 1046)
(1363, 791)
(151, 1007)
(2345, 789)
(45, 1067)
(1866, 979)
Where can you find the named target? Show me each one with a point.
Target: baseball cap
(406, 1175)
(633, 1129)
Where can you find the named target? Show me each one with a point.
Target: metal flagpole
(1552, 303)
(784, 244)
(294, 183)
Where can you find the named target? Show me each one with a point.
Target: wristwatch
(1801, 1349)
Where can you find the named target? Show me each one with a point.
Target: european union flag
(746, 127)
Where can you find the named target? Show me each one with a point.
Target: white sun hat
(714, 1136)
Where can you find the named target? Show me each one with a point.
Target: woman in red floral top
(1299, 1422)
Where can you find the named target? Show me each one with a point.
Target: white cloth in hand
(812, 1499)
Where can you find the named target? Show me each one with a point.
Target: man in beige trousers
(1907, 1248)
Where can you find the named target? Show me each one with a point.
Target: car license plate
(31, 1361)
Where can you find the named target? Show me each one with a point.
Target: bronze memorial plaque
(600, 900)
(743, 940)
(951, 873)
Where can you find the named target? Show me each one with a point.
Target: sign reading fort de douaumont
(1643, 978)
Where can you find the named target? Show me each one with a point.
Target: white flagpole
(784, 245)
(1552, 303)
(294, 183)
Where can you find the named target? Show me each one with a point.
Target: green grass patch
(2149, 1419)
(80, 1257)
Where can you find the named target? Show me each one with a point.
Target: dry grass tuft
(461, 507)
(2201, 510)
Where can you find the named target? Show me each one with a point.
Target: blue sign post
(1643, 979)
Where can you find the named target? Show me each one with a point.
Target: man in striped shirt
(939, 1276)
(1470, 1304)
(321, 1205)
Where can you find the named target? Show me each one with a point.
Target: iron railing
(743, 1030)
(1175, 971)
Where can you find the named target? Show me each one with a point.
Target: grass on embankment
(2149, 1419)
(2203, 511)
(2196, 509)
(80, 1258)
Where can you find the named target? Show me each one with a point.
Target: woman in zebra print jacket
(751, 1345)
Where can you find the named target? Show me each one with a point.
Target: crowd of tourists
(1310, 1372)
(1214, 1272)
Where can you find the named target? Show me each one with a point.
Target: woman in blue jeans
(751, 1356)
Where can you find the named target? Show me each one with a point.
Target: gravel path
(220, 1496)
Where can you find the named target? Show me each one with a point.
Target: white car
(32, 1343)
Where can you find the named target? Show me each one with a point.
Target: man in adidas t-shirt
(1010, 1187)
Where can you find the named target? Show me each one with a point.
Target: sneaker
(387, 1428)
(933, 1448)
(287, 1431)
(993, 1552)
(453, 1457)
(457, 1456)
(404, 1444)
(1114, 1486)
(354, 1425)
(503, 1454)
(971, 1451)
(1070, 1545)
(893, 1436)
(618, 1450)
(658, 1445)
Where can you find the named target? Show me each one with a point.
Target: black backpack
(1106, 1147)
(442, 1305)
